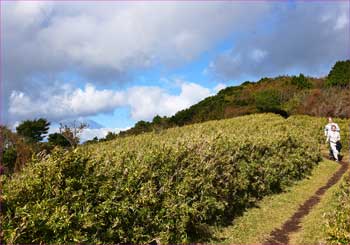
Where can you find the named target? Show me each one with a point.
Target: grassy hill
(284, 95)
(161, 187)
(166, 187)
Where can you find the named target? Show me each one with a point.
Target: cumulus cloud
(42, 41)
(144, 101)
(95, 39)
(306, 37)
(69, 104)
(106, 42)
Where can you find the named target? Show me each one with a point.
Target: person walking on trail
(327, 129)
(333, 137)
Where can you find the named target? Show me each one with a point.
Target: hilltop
(284, 95)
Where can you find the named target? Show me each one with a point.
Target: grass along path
(256, 224)
(312, 226)
(293, 224)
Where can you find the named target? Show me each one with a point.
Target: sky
(114, 63)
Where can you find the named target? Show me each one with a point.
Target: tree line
(18, 147)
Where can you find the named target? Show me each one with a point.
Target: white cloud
(95, 38)
(66, 104)
(342, 22)
(144, 101)
(258, 55)
(106, 42)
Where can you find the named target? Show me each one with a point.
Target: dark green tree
(111, 136)
(14, 152)
(339, 75)
(9, 157)
(268, 100)
(301, 82)
(33, 131)
(157, 120)
(58, 139)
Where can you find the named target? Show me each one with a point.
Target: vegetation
(282, 95)
(171, 185)
(338, 222)
(57, 139)
(72, 131)
(340, 74)
(301, 82)
(255, 225)
(166, 187)
(33, 130)
(15, 152)
(268, 100)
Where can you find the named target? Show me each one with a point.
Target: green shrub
(340, 74)
(267, 100)
(338, 221)
(166, 187)
(301, 82)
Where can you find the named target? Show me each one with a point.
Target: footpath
(292, 217)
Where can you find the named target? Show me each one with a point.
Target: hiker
(333, 137)
(327, 129)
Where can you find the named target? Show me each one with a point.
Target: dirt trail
(281, 235)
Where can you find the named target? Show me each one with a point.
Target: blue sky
(120, 62)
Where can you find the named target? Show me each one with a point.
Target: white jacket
(328, 128)
(333, 136)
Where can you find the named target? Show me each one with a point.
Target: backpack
(338, 145)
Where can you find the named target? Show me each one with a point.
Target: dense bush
(301, 82)
(166, 187)
(338, 221)
(340, 74)
(268, 100)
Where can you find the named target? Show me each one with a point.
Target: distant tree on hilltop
(301, 82)
(72, 132)
(340, 74)
(33, 131)
(58, 139)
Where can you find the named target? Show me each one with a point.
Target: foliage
(33, 130)
(338, 222)
(291, 96)
(72, 131)
(340, 74)
(58, 139)
(268, 100)
(15, 152)
(165, 187)
(301, 82)
(111, 136)
(9, 157)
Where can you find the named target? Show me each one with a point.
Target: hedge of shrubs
(165, 187)
(338, 221)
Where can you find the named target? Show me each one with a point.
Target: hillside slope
(284, 95)
(166, 187)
